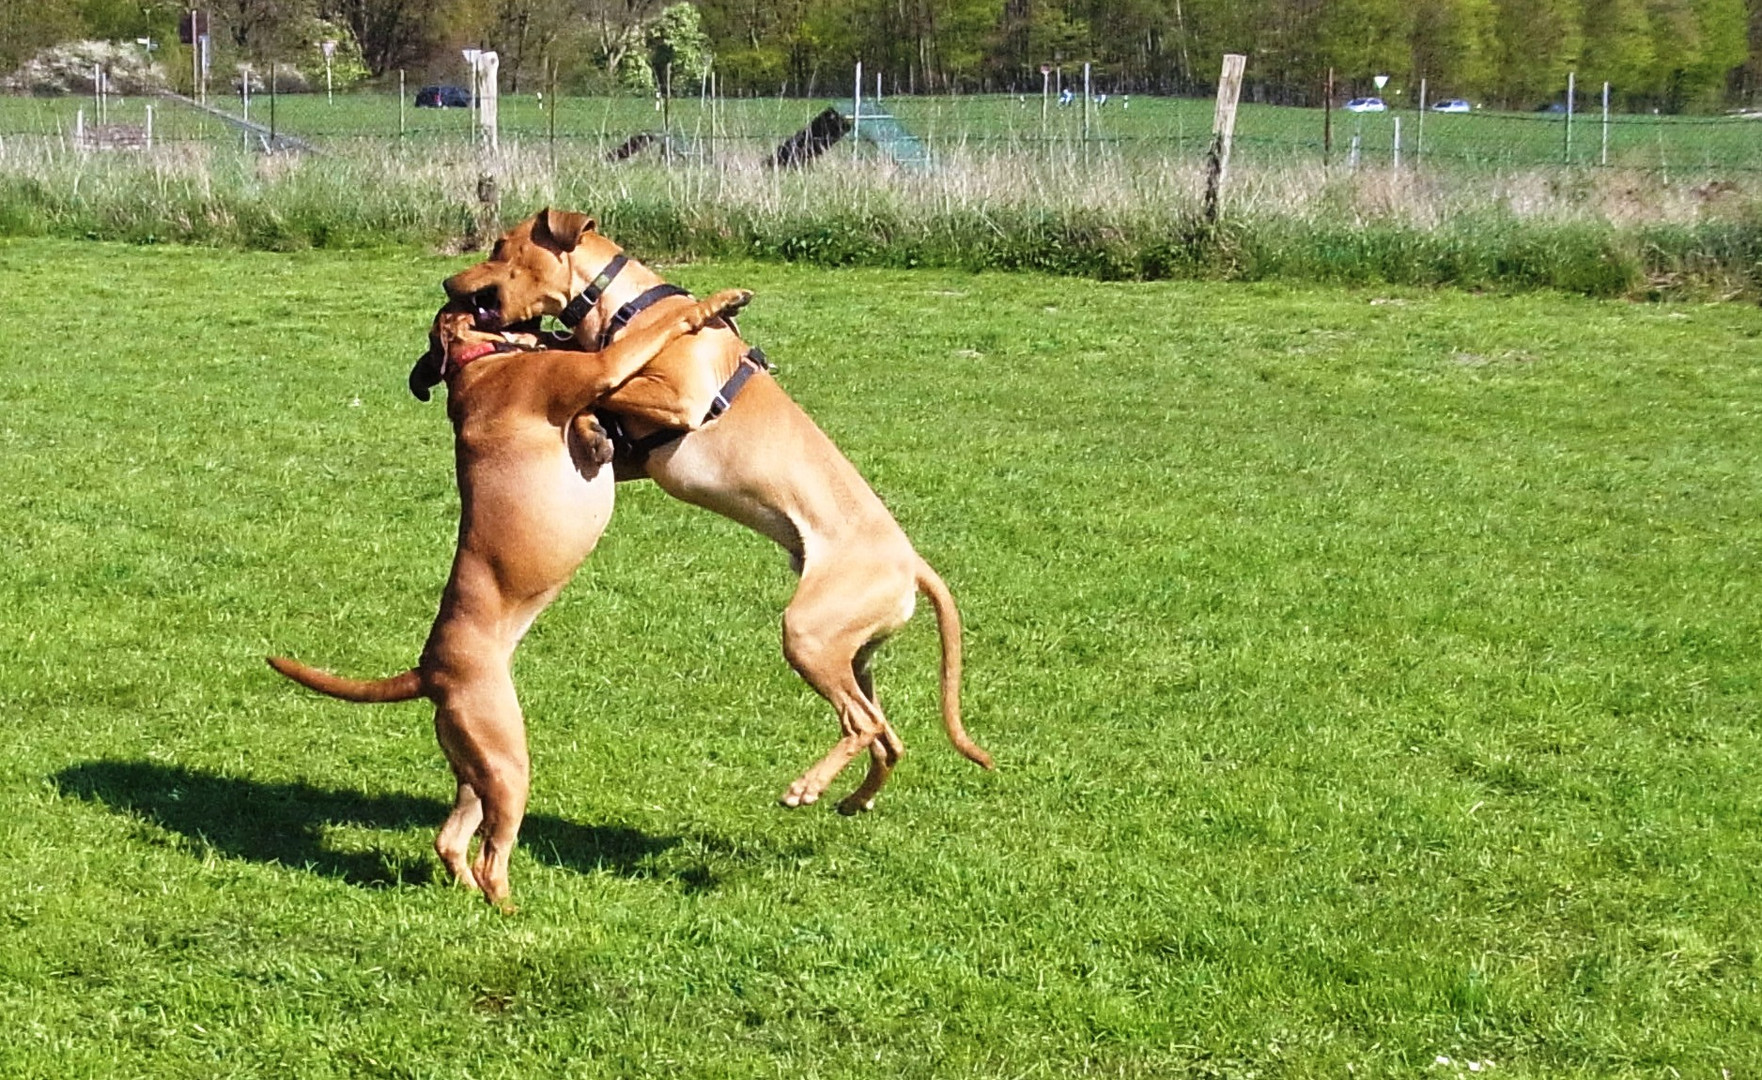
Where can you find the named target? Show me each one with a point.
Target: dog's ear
(427, 372)
(565, 228)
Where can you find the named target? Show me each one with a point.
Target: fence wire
(1126, 127)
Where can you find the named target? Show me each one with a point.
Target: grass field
(1373, 677)
(1146, 128)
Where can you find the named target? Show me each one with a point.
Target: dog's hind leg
(453, 845)
(477, 718)
(825, 629)
(884, 752)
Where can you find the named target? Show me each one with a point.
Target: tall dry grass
(1603, 232)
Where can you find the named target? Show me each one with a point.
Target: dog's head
(530, 272)
(453, 336)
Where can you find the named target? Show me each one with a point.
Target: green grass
(1373, 676)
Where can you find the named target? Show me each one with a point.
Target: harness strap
(750, 364)
(577, 309)
(636, 307)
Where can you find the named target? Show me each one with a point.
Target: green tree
(1539, 43)
(29, 25)
(1618, 48)
(1453, 47)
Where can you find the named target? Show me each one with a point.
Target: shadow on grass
(285, 823)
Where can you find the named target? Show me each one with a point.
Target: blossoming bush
(72, 67)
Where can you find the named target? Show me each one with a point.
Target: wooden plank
(1223, 131)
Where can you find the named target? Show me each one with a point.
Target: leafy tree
(1453, 47)
(29, 25)
(1539, 44)
(1618, 48)
(392, 33)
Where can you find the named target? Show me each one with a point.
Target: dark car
(443, 97)
(1552, 107)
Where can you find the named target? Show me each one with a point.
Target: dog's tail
(948, 624)
(368, 691)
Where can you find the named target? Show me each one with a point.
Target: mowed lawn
(1373, 678)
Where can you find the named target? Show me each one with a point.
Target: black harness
(638, 450)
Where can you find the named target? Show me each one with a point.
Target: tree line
(1669, 55)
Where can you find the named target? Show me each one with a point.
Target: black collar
(577, 309)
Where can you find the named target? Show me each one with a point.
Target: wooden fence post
(1223, 130)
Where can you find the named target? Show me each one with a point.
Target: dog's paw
(589, 445)
(856, 803)
(726, 302)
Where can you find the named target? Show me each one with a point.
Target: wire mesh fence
(1125, 127)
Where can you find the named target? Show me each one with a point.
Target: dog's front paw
(726, 302)
(589, 445)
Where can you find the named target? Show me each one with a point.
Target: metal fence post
(1087, 102)
(1604, 158)
(1571, 88)
(1419, 137)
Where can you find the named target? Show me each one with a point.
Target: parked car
(1454, 104)
(443, 97)
(1366, 104)
(1552, 107)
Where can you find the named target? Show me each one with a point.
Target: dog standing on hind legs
(762, 463)
(533, 501)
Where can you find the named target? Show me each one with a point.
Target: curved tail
(369, 691)
(948, 624)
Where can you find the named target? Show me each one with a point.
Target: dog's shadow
(288, 823)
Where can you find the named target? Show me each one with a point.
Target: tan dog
(533, 503)
(763, 463)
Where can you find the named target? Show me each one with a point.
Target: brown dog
(533, 503)
(762, 463)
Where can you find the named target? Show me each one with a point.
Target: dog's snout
(455, 289)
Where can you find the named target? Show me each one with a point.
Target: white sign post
(471, 56)
(329, 50)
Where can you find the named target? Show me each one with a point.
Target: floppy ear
(564, 227)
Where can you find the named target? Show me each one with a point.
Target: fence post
(1328, 121)
(1419, 136)
(1571, 89)
(1604, 158)
(1223, 130)
(149, 127)
(400, 103)
(1396, 165)
(551, 113)
(856, 119)
(1086, 106)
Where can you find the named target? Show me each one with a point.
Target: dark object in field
(812, 141)
(443, 97)
(632, 146)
